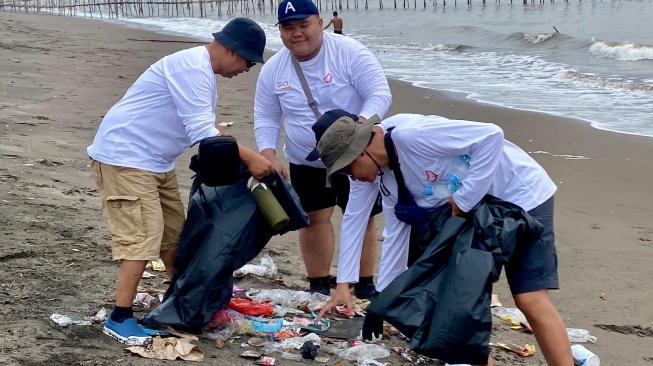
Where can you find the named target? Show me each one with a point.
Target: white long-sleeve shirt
(431, 149)
(170, 107)
(344, 75)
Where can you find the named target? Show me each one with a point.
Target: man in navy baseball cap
(296, 9)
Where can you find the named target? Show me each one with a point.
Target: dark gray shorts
(534, 267)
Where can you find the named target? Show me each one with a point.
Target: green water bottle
(268, 204)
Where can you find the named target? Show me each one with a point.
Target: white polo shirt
(344, 75)
(431, 149)
(170, 107)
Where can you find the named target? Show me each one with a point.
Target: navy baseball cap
(245, 37)
(296, 9)
(323, 123)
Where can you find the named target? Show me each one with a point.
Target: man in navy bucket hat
(244, 37)
(343, 74)
(168, 109)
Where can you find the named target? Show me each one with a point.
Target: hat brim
(234, 46)
(313, 156)
(298, 16)
(363, 132)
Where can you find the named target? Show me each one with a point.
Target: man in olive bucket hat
(169, 108)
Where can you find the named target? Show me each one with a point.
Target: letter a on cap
(289, 6)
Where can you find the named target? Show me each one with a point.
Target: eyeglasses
(250, 64)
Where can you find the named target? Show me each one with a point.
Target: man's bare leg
(129, 275)
(317, 242)
(548, 327)
(168, 258)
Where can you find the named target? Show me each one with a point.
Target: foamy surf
(599, 82)
(621, 51)
(538, 37)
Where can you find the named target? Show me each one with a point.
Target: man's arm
(328, 25)
(193, 102)
(369, 80)
(267, 120)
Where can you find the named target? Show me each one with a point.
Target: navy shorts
(310, 185)
(534, 267)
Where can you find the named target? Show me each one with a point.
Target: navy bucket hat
(245, 37)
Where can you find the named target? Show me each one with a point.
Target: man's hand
(270, 155)
(455, 210)
(258, 165)
(340, 297)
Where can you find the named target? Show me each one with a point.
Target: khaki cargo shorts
(142, 210)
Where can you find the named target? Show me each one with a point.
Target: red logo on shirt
(430, 176)
(328, 78)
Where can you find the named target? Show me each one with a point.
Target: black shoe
(372, 327)
(320, 285)
(367, 291)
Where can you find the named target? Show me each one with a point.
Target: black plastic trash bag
(442, 302)
(224, 230)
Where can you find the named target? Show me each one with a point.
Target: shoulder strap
(302, 80)
(404, 195)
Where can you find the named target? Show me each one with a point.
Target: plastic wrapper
(577, 335)
(222, 325)
(524, 351)
(290, 298)
(65, 320)
(364, 353)
(267, 268)
(271, 347)
(411, 356)
(249, 307)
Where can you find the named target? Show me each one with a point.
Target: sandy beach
(59, 75)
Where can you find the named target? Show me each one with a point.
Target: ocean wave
(598, 82)
(538, 37)
(621, 51)
(421, 47)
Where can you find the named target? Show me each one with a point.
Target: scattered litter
(290, 298)
(365, 352)
(250, 354)
(226, 124)
(602, 296)
(256, 342)
(237, 290)
(580, 335)
(322, 359)
(170, 348)
(584, 357)
(267, 268)
(219, 343)
(99, 317)
(565, 156)
(158, 265)
(513, 316)
(249, 307)
(372, 363)
(65, 320)
(143, 299)
(525, 351)
(265, 361)
(410, 356)
(147, 275)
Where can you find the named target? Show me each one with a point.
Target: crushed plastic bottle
(452, 180)
(580, 335)
(584, 357)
